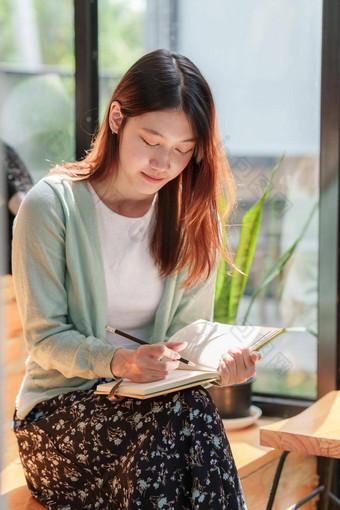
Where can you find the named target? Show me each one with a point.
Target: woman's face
(154, 149)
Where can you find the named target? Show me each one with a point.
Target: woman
(129, 238)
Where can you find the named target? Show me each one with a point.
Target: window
(37, 82)
(263, 62)
(121, 33)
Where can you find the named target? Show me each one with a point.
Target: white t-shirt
(134, 287)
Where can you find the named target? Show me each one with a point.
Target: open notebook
(207, 341)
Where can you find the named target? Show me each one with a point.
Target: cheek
(180, 164)
(131, 150)
(134, 156)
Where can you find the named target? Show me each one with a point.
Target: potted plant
(235, 401)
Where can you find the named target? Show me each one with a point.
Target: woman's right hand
(146, 364)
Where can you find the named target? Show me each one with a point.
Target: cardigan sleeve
(39, 274)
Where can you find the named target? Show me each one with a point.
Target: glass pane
(37, 82)
(121, 29)
(263, 62)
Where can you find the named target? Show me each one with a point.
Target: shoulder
(53, 190)
(51, 202)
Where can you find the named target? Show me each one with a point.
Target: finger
(163, 349)
(247, 360)
(237, 357)
(224, 373)
(163, 367)
(171, 349)
(176, 346)
(150, 376)
(240, 365)
(244, 355)
(167, 365)
(230, 367)
(156, 351)
(160, 372)
(250, 358)
(255, 356)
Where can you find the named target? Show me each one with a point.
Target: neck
(131, 207)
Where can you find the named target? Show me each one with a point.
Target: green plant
(230, 287)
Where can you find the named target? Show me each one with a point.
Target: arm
(40, 275)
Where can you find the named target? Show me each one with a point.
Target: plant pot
(233, 401)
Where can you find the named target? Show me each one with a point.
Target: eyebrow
(154, 132)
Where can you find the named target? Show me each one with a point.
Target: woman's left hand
(237, 366)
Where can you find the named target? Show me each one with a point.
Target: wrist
(115, 365)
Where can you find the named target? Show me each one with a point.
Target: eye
(184, 153)
(149, 144)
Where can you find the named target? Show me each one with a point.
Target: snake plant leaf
(222, 293)
(280, 264)
(272, 273)
(251, 223)
(250, 227)
(230, 288)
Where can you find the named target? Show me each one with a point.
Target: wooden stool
(315, 431)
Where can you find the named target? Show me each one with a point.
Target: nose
(161, 160)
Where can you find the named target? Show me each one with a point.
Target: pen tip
(191, 364)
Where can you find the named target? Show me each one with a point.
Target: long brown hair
(188, 231)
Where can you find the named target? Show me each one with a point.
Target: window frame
(329, 242)
(86, 73)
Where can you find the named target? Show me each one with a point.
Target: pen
(142, 342)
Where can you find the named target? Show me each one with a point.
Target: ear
(115, 116)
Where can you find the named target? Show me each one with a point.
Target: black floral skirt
(81, 451)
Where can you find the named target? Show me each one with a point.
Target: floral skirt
(80, 451)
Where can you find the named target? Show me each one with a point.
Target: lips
(151, 178)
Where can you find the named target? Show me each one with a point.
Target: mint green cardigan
(62, 297)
